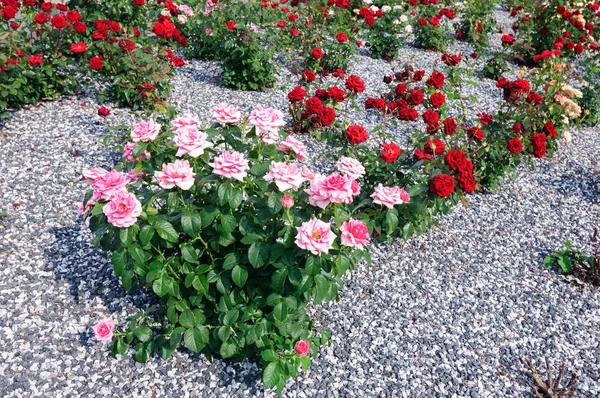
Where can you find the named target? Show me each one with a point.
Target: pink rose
(308, 174)
(334, 188)
(286, 175)
(186, 10)
(231, 165)
(354, 233)
(133, 176)
(350, 167)
(93, 173)
(293, 145)
(302, 347)
(145, 131)
(287, 201)
(389, 197)
(128, 153)
(207, 31)
(103, 330)
(226, 113)
(183, 121)
(190, 141)
(267, 123)
(179, 173)
(315, 236)
(108, 184)
(123, 210)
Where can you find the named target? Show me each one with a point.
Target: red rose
(517, 128)
(418, 75)
(356, 134)
(508, 40)
(415, 97)
(58, 22)
(538, 141)
(9, 12)
(550, 130)
(466, 182)
(436, 80)
(78, 48)
(103, 111)
(390, 152)
(355, 84)
(114, 26)
(326, 117)
(434, 147)
(431, 117)
(158, 29)
(449, 126)
(96, 63)
(456, 160)
(375, 103)
(230, 25)
(314, 105)
(336, 93)
(138, 2)
(437, 100)
(297, 94)
(400, 89)
(317, 53)
(281, 23)
(442, 185)
(126, 45)
(476, 133)
(339, 73)
(79, 27)
(73, 16)
(177, 62)
(485, 118)
(422, 21)
(514, 145)
(309, 76)
(342, 37)
(47, 6)
(34, 60)
(420, 154)
(322, 94)
(407, 113)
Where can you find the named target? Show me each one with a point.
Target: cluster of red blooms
(369, 15)
(436, 19)
(513, 90)
(167, 30)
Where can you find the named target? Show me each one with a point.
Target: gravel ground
(449, 314)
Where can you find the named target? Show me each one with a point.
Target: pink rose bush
(225, 217)
(390, 196)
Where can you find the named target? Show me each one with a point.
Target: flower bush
(232, 233)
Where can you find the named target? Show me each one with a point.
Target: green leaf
(239, 274)
(194, 340)
(274, 202)
(143, 333)
(280, 311)
(305, 362)
(548, 261)
(186, 319)
(165, 230)
(236, 198)
(321, 288)
(269, 356)
(139, 149)
(258, 254)
(231, 316)
(191, 223)
(162, 285)
(228, 349)
(119, 260)
(391, 221)
(271, 374)
(189, 254)
(141, 355)
(126, 235)
(138, 254)
(278, 279)
(146, 234)
(228, 223)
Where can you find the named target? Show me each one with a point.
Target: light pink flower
(93, 173)
(123, 210)
(186, 10)
(128, 153)
(231, 165)
(334, 188)
(133, 176)
(179, 173)
(191, 141)
(145, 131)
(207, 31)
(85, 209)
(350, 167)
(226, 113)
(287, 201)
(293, 145)
(355, 188)
(286, 175)
(315, 236)
(103, 330)
(183, 121)
(389, 197)
(267, 123)
(302, 347)
(108, 184)
(354, 233)
(308, 174)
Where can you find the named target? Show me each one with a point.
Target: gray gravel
(447, 314)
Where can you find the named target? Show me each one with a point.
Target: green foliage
(248, 65)
(572, 261)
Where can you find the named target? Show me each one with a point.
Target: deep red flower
(309, 76)
(390, 152)
(436, 80)
(455, 160)
(336, 93)
(550, 130)
(34, 60)
(442, 185)
(355, 84)
(326, 117)
(356, 134)
(103, 111)
(230, 25)
(297, 94)
(437, 99)
(436, 147)
(431, 117)
(78, 48)
(314, 105)
(96, 63)
(449, 126)
(476, 133)
(514, 145)
(317, 53)
(58, 22)
(342, 37)
(415, 97)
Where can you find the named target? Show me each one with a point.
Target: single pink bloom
(226, 113)
(123, 210)
(302, 347)
(350, 167)
(183, 121)
(285, 175)
(178, 173)
(93, 173)
(145, 131)
(103, 330)
(267, 123)
(293, 145)
(108, 184)
(287, 201)
(190, 141)
(354, 233)
(389, 197)
(231, 165)
(315, 236)
(334, 188)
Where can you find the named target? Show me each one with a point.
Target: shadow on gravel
(586, 185)
(208, 76)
